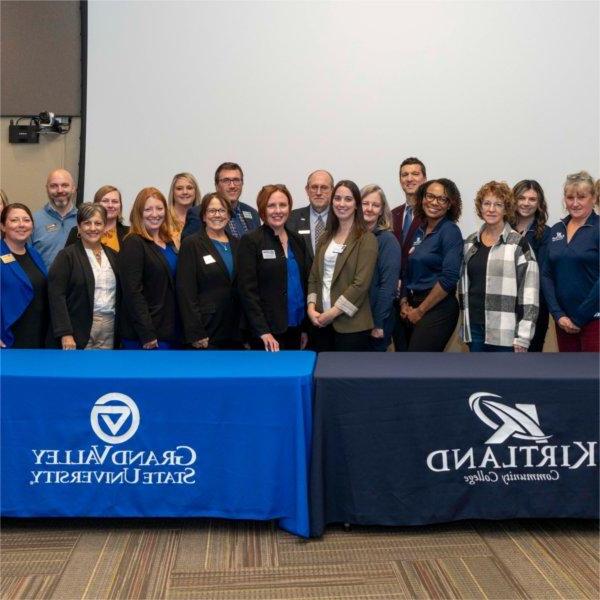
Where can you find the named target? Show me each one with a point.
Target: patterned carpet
(207, 560)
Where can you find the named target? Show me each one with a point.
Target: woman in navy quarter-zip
(531, 216)
(571, 269)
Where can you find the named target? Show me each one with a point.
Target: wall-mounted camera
(46, 123)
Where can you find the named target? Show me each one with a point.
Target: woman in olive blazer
(339, 281)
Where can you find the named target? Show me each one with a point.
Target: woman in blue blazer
(384, 284)
(23, 280)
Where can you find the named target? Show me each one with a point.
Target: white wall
(477, 90)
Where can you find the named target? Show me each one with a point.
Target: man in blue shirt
(229, 183)
(54, 221)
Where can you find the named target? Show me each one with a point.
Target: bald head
(60, 188)
(319, 186)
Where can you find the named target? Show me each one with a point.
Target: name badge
(304, 231)
(268, 254)
(247, 214)
(7, 258)
(339, 250)
(208, 259)
(51, 227)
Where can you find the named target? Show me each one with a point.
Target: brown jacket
(350, 284)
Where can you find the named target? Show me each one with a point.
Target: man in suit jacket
(412, 175)
(229, 183)
(309, 221)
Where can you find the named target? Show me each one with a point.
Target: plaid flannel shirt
(511, 290)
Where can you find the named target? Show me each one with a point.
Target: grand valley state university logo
(113, 410)
(516, 451)
(114, 419)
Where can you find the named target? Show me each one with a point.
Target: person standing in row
(23, 281)
(273, 271)
(229, 184)
(428, 303)
(147, 267)
(206, 275)
(500, 279)
(531, 216)
(340, 277)
(387, 269)
(55, 220)
(83, 286)
(572, 268)
(310, 221)
(114, 232)
(184, 193)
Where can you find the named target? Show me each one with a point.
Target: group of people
(344, 273)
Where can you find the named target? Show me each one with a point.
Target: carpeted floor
(206, 560)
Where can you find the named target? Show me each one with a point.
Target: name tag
(247, 214)
(268, 254)
(51, 227)
(304, 231)
(208, 259)
(7, 258)
(339, 250)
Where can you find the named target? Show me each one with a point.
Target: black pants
(327, 339)
(434, 330)
(541, 327)
(400, 331)
(288, 340)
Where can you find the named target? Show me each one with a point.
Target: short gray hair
(384, 221)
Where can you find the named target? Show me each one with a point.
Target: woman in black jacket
(147, 267)
(206, 271)
(272, 277)
(83, 288)
(114, 232)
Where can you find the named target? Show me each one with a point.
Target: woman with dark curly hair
(428, 303)
(499, 285)
(531, 216)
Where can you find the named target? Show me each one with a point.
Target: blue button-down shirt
(436, 258)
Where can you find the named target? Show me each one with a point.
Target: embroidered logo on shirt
(559, 236)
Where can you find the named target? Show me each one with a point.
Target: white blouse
(105, 289)
(329, 260)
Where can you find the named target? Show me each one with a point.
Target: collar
(592, 220)
(55, 214)
(423, 226)
(503, 236)
(323, 214)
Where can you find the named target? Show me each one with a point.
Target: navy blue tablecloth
(412, 439)
(157, 434)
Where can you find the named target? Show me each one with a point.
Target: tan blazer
(350, 284)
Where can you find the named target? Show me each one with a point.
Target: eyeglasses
(441, 200)
(216, 211)
(499, 205)
(319, 188)
(230, 181)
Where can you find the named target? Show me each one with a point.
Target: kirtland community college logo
(115, 419)
(518, 450)
(113, 410)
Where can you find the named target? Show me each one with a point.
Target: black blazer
(149, 306)
(208, 299)
(71, 287)
(122, 231)
(263, 281)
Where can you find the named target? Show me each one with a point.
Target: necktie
(319, 229)
(408, 217)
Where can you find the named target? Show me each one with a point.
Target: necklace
(224, 245)
(98, 255)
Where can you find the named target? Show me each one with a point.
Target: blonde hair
(384, 220)
(192, 180)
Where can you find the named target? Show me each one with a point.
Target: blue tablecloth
(159, 434)
(411, 439)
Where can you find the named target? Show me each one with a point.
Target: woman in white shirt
(83, 286)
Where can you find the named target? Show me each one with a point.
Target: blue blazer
(17, 291)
